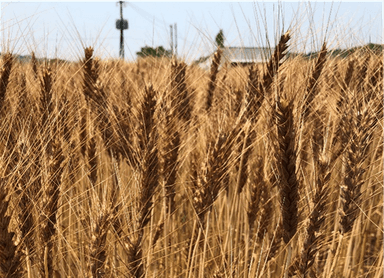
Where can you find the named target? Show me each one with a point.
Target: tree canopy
(154, 52)
(220, 39)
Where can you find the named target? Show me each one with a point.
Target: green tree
(154, 52)
(220, 39)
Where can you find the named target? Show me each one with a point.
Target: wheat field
(158, 168)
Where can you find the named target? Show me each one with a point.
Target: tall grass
(112, 169)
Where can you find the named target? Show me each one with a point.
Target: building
(239, 56)
(242, 56)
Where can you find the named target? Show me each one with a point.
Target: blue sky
(62, 29)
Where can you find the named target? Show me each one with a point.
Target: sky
(63, 29)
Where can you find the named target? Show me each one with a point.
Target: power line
(154, 20)
(147, 16)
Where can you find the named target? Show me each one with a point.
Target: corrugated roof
(246, 54)
(240, 55)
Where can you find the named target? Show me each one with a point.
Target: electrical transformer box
(121, 24)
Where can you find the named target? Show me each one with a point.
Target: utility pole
(171, 39)
(121, 24)
(175, 28)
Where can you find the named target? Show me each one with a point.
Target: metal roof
(246, 54)
(240, 55)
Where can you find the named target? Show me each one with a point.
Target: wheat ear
(147, 135)
(323, 168)
(97, 99)
(312, 86)
(50, 206)
(35, 68)
(4, 76)
(10, 254)
(208, 179)
(181, 100)
(99, 230)
(169, 152)
(274, 64)
(254, 95)
(286, 164)
(51, 187)
(212, 77)
(357, 130)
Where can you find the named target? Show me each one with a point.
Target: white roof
(246, 54)
(241, 55)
